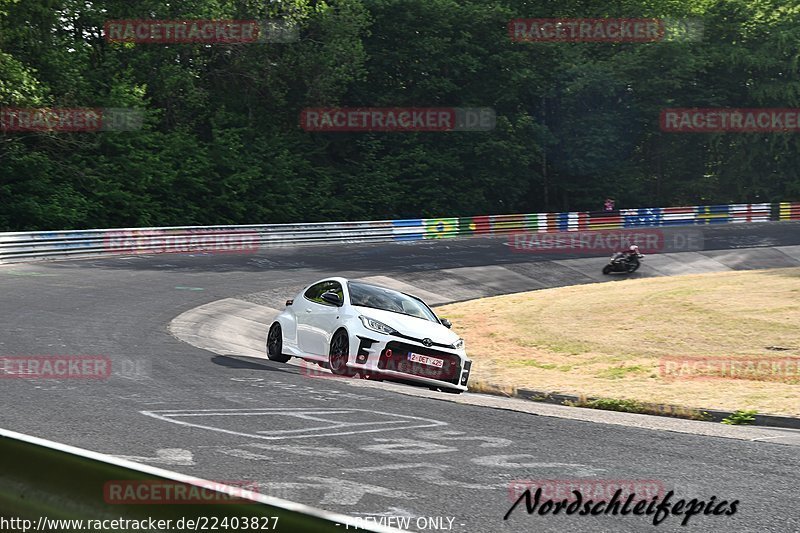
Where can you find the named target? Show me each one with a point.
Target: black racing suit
(631, 257)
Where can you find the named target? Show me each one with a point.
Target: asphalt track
(333, 444)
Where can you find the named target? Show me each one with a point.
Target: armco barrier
(750, 213)
(41, 480)
(789, 211)
(27, 246)
(588, 220)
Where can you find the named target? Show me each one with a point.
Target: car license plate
(425, 360)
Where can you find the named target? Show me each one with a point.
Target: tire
(633, 268)
(607, 270)
(339, 354)
(275, 344)
(446, 390)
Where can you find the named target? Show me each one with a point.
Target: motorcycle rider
(632, 255)
(626, 260)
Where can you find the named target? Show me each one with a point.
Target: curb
(653, 409)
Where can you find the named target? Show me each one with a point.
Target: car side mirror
(446, 323)
(332, 298)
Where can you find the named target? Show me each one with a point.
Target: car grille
(399, 362)
(410, 338)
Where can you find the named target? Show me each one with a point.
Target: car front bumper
(388, 357)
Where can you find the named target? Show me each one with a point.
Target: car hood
(410, 325)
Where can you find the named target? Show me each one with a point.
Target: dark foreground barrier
(49, 487)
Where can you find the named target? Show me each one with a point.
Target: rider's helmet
(634, 248)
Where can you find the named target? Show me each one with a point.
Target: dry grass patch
(610, 339)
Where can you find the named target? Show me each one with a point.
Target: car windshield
(364, 295)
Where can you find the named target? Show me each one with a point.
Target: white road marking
(164, 456)
(311, 451)
(506, 461)
(407, 447)
(308, 392)
(344, 492)
(392, 511)
(337, 491)
(488, 442)
(244, 454)
(430, 473)
(335, 427)
(402, 466)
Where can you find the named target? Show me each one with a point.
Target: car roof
(332, 278)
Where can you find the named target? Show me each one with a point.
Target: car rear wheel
(275, 344)
(338, 355)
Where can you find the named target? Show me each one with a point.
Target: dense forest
(220, 140)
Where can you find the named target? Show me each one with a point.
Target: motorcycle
(621, 262)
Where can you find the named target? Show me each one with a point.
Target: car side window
(315, 292)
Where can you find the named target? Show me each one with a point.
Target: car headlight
(458, 345)
(374, 325)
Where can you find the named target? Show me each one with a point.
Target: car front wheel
(446, 390)
(338, 355)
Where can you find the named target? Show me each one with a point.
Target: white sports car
(352, 327)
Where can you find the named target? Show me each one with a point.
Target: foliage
(740, 417)
(221, 144)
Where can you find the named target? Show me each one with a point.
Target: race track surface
(352, 449)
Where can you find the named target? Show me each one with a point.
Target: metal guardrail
(789, 211)
(37, 245)
(43, 481)
(80, 243)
